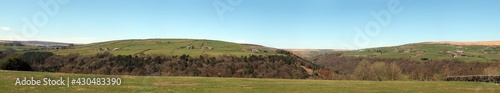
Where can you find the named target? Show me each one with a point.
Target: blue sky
(303, 24)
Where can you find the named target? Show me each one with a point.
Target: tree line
(252, 66)
(364, 68)
(283, 66)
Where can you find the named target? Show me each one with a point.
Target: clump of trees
(281, 51)
(377, 71)
(16, 64)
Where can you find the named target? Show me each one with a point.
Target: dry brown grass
(308, 70)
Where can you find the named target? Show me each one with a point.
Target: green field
(432, 52)
(165, 84)
(159, 46)
(165, 47)
(17, 48)
(417, 51)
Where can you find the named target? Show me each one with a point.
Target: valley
(184, 59)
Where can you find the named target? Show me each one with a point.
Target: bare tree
(362, 71)
(394, 72)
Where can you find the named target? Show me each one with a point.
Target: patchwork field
(165, 84)
(167, 47)
(465, 51)
(193, 47)
(433, 51)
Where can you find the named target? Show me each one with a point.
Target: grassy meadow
(470, 53)
(166, 47)
(159, 47)
(417, 51)
(169, 84)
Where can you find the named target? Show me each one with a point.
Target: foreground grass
(236, 85)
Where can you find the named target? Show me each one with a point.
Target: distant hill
(465, 51)
(307, 53)
(484, 43)
(169, 47)
(43, 43)
(29, 45)
(36, 43)
(484, 51)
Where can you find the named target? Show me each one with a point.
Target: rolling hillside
(465, 51)
(484, 51)
(308, 53)
(168, 47)
(483, 43)
(28, 45)
(157, 57)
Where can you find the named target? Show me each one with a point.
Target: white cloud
(4, 28)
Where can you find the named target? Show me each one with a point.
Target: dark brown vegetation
(252, 66)
(284, 66)
(362, 68)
